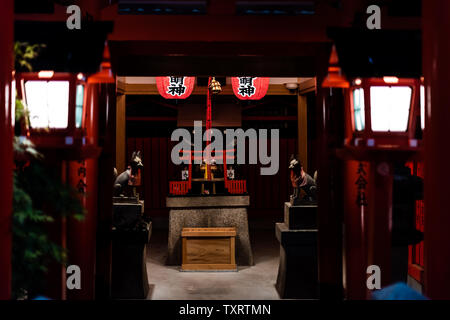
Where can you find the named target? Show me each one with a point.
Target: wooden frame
(302, 123)
(151, 89)
(367, 132)
(121, 161)
(124, 89)
(56, 137)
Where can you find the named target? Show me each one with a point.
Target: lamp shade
(175, 87)
(383, 111)
(55, 103)
(48, 103)
(250, 88)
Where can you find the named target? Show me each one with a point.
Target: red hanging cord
(208, 128)
(208, 113)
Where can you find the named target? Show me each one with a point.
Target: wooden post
(330, 131)
(6, 153)
(436, 66)
(354, 251)
(120, 134)
(107, 117)
(81, 235)
(379, 219)
(302, 118)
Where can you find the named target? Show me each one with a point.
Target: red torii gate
(233, 186)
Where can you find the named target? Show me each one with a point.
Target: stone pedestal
(300, 217)
(298, 269)
(127, 214)
(128, 271)
(206, 212)
(130, 235)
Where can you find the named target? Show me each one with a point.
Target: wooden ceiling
(223, 43)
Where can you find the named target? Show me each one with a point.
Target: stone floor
(256, 282)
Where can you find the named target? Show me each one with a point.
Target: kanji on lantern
(250, 88)
(175, 87)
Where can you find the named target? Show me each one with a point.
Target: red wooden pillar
(436, 67)
(330, 136)
(368, 223)
(355, 213)
(6, 156)
(354, 249)
(81, 235)
(379, 220)
(105, 83)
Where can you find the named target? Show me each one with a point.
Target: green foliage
(39, 198)
(25, 53)
(21, 111)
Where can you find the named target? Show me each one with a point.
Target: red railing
(233, 186)
(183, 187)
(236, 186)
(179, 187)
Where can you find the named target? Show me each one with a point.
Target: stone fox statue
(124, 179)
(301, 180)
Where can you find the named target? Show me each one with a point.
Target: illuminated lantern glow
(56, 106)
(175, 87)
(250, 88)
(390, 108)
(385, 112)
(391, 79)
(48, 103)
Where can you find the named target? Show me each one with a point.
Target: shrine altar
(207, 211)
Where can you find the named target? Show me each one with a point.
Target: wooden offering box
(208, 249)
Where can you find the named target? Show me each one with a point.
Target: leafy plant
(21, 112)
(39, 197)
(25, 53)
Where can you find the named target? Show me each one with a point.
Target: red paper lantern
(175, 87)
(250, 88)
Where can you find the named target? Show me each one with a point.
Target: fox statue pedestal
(298, 270)
(129, 256)
(130, 234)
(300, 216)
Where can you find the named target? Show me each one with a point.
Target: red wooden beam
(270, 118)
(6, 153)
(221, 7)
(158, 119)
(219, 27)
(91, 7)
